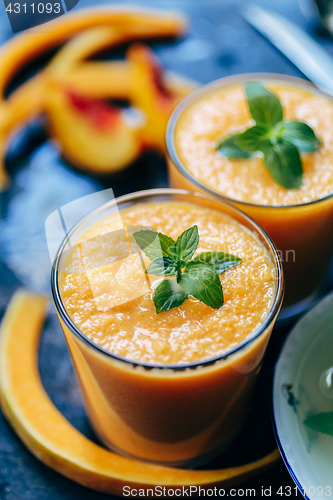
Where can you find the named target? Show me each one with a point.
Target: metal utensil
(307, 55)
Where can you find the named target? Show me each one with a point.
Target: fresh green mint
(173, 259)
(279, 141)
(322, 422)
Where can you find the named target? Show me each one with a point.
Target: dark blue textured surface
(219, 43)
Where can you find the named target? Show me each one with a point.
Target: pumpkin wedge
(52, 439)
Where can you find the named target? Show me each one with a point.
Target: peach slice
(91, 134)
(23, 104)
(128, 22)
(52, 439)
(150, 94)
(98, 80)
(107, 80)
(30, 43)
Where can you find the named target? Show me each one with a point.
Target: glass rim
(221, 83)
(276, 305)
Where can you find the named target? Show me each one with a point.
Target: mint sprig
(279, 141)
(198, 277)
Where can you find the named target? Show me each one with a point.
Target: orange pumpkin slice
(52, 439)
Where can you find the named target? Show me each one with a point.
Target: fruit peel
(52, 439)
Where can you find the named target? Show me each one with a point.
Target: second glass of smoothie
(299, 221)
(172, 387)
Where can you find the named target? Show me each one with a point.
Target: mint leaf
(229, 147)
(186, 245)
(220, 261)
(322, 422)
(168, 294)
(200, 280)
(284, 163)
(163, 266)
(301, 135)
(154, 245)
(265, 107)
(200, 276)
(280, 141)
(255, 138)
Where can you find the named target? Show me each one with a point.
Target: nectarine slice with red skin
(101, 115)
(150, 94)
(91, 135)
(20, 49)
(24, 103)
(112, 79)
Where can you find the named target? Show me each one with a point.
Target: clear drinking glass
(302, 233)
(177, 415)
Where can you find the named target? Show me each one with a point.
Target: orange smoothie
(300, 221)
(170, 387)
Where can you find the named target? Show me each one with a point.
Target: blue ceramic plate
(303, 387)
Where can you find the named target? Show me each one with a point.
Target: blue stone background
(219, 43)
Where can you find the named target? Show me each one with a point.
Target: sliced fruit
(91, 134)
(150, 94)
(98, 80)
(83, 45)
(21, 48)
(24, 103)
(52, 439)
(112, 80)
(4, 179)
(128, 22)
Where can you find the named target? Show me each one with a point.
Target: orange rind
(52, 439)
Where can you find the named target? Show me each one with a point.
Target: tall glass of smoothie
(171, 387)
(299, 221)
